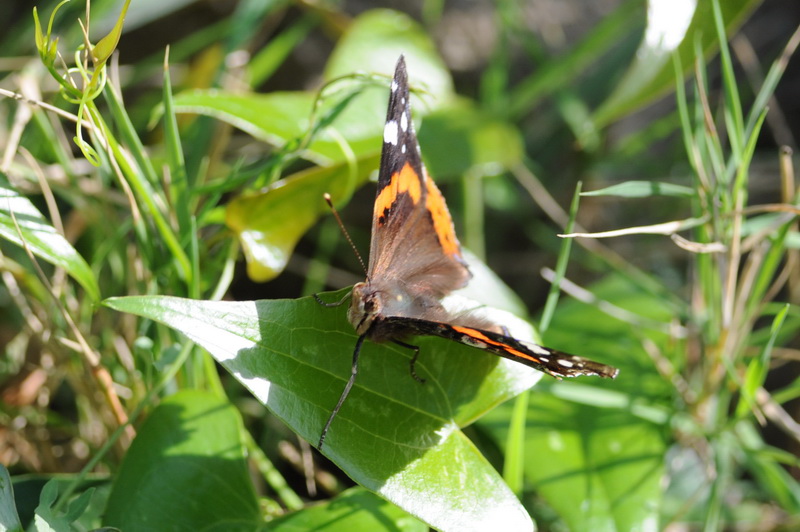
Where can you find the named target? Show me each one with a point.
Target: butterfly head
(365, 306)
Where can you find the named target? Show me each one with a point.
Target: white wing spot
(403, 100)
(566, 363)
(404, 122)
(403, 148)
(390, 133)
(395, 86)
(539, 350)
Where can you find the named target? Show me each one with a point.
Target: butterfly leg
(350, 381)
(414, 348)
(329, 305)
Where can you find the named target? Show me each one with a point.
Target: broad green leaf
(595, 449)
(460, 139)
(281, 117)
(9, 519)
(394, 436)
(643, 189)
(355, 509)
(609, 462)
(270, 223)
(41, 237)
(186, 470)
(487, 288)
(672, 27)
(374, 42)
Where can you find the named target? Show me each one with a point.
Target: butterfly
(415, 261)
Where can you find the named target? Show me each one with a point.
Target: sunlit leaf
(41, 237)
(394, 436)
(595, 449)
(278, 118)
(354, 509)
(376, 39)
(671, 27)
(270, 223)
(643, 189)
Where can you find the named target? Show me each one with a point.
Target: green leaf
(757, 370)
(595, 449)
(38, 34)
(565, 69)
(106, 46)
(9, 519)
(376, 39)
(354, 509)
(394, 436)
(48, 50)
(281, 117)
(48, 519)
(186, 470)
(669, 30)
(41, 237)
(643, 189)
(460, 139)
(270, 223)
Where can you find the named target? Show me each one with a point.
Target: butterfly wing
(413, 239)
(550, 361)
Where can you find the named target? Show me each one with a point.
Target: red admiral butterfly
(415, 261)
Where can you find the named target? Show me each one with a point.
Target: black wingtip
(400, 73)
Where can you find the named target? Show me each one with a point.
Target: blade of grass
(514, 464)
(145, 193)
(561, 263)
(180, 185)
(734, 121)
(757, 369)
(263, 65)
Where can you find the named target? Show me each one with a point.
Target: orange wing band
(473, 333)
(404, 181)
(442, 223)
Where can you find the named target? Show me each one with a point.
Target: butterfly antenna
(344, 231)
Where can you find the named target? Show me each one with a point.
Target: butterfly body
(415, 262)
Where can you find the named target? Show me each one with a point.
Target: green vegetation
(150, 384)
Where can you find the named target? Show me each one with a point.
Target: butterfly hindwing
(415, 261)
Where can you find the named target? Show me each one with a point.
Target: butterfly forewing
(415, 261)
(550, 361)
(412, 233)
